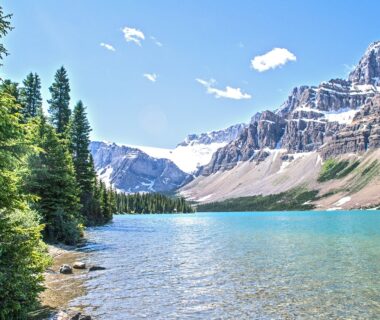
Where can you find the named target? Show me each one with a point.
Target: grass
(333, 169)
(292, 200)
(365, 176)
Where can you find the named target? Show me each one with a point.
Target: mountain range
(335, 124)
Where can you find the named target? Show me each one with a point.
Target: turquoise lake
(277, 265)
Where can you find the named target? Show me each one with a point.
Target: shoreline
(62, 288)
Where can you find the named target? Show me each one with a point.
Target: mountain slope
(147, 169)
(286, 148)
(131, 170)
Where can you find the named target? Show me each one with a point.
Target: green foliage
(5, 27)
(13, 147)
(150, 203)
(296, 199)
(365, 175)
(52, 180)
(59, 104)
(11, 88)
(30, 96)
(22, 253)
(23, 260)
(79, 134)
(333, 169)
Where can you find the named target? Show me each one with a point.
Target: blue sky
(192, 40)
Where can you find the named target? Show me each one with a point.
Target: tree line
(151, 203)
(48, 185)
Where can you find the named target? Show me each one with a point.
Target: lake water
(297, 265)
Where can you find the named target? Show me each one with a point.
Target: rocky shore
(62, 285)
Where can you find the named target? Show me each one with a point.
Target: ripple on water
(239, 265)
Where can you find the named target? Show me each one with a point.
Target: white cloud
(156, 42)
(133, 35)
(107, 46)
(272, 59)
(228, 92)
(151, 76)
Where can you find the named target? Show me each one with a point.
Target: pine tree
(22, 253)
(52, 180)
(31, 99)
(59, 108)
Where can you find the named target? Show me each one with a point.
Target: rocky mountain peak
(219, 136)
(368, 69)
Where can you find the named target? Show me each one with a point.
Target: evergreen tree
(60, 100)
(5, 27)
(52, 180)
(31, 99)
(79, 143)
(22, 253)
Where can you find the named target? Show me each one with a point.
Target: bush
(23, 259)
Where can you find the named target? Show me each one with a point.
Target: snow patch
(105, 175)
(205, 197)
(187, 158)
(342, 201)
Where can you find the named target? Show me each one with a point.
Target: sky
(151, 72)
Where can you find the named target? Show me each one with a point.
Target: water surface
(302, 265)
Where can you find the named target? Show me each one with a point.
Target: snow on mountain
(196, 150)
(132, 170)
(188, 158)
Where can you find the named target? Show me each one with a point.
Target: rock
(79, 265)
(363, 134)
(65, 269)
(368, 69)
(132, 170)
(80, 316)
(264, 131)
(65, 315)
(225, 135)
(96, 268)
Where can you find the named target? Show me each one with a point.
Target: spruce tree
(59, 104)
(52, 180)
(31, 99)
(85, 173)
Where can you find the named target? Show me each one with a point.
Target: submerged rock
(65, 269)
(79, 265)
(96, 268)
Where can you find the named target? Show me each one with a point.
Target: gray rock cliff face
(131, 170)
(368, 69)
(311, 118)
(264, 131)
(361, 135)
(225, 135)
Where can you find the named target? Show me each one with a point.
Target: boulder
(79, 265)
(65, 269)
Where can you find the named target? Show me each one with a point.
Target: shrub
(23, 260)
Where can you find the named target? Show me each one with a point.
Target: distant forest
(151, 203)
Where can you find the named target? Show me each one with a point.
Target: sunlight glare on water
(236, 265)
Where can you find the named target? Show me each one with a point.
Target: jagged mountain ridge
(218, 136)
(146, 169)
(132, 170)
(308, 120)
